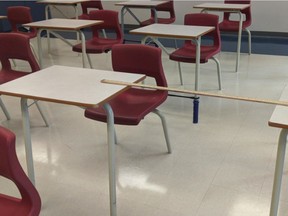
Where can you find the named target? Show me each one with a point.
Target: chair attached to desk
(86, 6)
(187, 53)
(131, 106)
(229, 25)
(101, 43)
(16, 47)
(167, 8)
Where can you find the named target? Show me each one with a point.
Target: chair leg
(41, 113)
(4, 109)
(163, 120)
(89, 60)
(249, 40)
(219, 72)
(180, 73)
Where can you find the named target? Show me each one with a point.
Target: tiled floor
(223, 166)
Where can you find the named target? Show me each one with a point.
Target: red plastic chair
(29, 204)
(187, 53)
(131, 106)
(229, 25)
(19, 15)
(15, 46)
(99, 43)
(93, 4)
(166, 8)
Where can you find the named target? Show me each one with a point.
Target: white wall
(267, 16)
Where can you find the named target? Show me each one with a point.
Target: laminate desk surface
(68, 85)
(3, 17)
(63, 24)
(62, 2)
(141, 4)
(279, 117)
(222, 6)
(173, 31)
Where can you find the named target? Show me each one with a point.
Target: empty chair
(93, 4)
(19, 15)
(29, 204)
(230, 25)
(99, 43)
(14, 46)
(187, 53)
(164, 8)
(131, 106)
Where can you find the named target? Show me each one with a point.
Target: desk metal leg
(278, 172)
(239, 40)
(122, 19)
(40, 47)
(84, 54)
(111, 156)
(47, 12)
(27, 139)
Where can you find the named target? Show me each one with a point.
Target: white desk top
(66, 24)
(141, 4)
(69, 85)
(3, 17)
(279, 117)
(173, 31)
(222, 6)
(61, 2)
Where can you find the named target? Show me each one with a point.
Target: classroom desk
(3, 17)
(138, 4)
(279, 119)
(232, 8)
(184, 32)
(62, 25)
(55, 3)
(73, 86)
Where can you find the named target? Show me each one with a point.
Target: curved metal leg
(163, 120)
(180, 73)
(111, 156)
(27, 140)
(278, 172)
(219, 72)
(249, 41)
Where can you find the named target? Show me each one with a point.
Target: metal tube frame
(278, 172)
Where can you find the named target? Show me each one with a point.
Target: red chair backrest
(16, 46)
(167, 7)
(11, 169)
(246, 12)
(19, 15)
(96, 4)
(204, 19)
(139, 58)
(110, 22)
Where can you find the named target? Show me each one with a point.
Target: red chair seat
(11, 206)
(187, 53)
(159, 20)
(130, 107)
(97, 46)
(83, 16)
